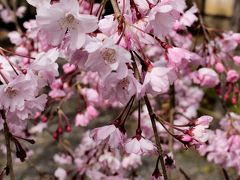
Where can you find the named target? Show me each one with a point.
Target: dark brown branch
(9, 168)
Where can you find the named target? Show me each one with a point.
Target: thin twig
(171, 114)
(225, 174)
(184, 174)
(206, 36)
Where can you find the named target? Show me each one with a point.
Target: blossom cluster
(139, 62)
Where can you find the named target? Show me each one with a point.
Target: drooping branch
(157, 138)
(152, 117)
(9, 168)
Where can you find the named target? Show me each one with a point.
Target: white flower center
(109, 55)
(124, 83)
(11, 93)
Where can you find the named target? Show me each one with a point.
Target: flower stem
(139, 115)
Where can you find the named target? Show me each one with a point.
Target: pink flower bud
(186, 138)
(44, 119)
(206, 77)
(55, 135)
(234, 100)
(68, 128)
(219, 67)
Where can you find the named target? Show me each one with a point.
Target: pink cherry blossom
(111, 57)
(14, 94)
(206, 77)
(7, 15)
(110, 134)
(64, 17)
(189, 17)
(39, 3)
(81, 120)
(91, 112)
(68, 68)
(232, 76)
(120, 89)
(45, 65)
(78, 64)
(108, 25)
(15, 37)
(31, 107)
(179, 58)
(131, 161)
(162, 18)
(140, 146)
(200, 134)
(236, 60)
(62, 158)
(186, 138)
(156, 81)
(57, 89)
(20, 11)
(38, 128)
(112, 162)
(60, 173)
(204, 121)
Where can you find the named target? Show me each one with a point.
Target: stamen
(109, 55)
(124, 83)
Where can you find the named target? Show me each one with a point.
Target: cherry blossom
(120, 89)
(157, 81)
(64, 17)
(14, 94)
(110, 134)
(206, 77)
(61, 174)
(232, 76)
(140, 146)
(76, 66)
(111, 57)
(163, 15)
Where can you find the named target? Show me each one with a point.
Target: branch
(116, 10)
(152, 117)
(9, 168)
(184, 174)
(205, 33)
(171, 114)
(157, 138)
(225, 174)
